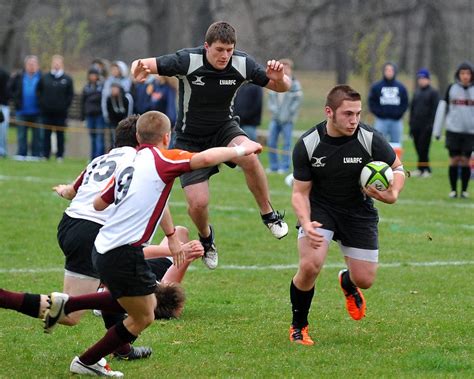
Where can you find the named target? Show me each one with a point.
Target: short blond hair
(152, 126)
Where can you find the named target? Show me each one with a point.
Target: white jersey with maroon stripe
(140, 193)
(93, 180)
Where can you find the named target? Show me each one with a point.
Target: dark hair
(221, 31)
(126, 132)
(152, 126)
(340, 93)
(170, 299)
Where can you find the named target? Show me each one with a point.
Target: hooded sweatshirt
(388, 99)
(456, 111)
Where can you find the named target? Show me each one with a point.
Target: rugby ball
(376, 174)
(289, 180)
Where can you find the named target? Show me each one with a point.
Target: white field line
(263, 268)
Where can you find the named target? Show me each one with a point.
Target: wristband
(240, 150)
(169, 235)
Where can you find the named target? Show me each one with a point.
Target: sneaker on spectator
(453, 195)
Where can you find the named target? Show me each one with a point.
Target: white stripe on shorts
(360, 254)
(351, 252)
(73, 274)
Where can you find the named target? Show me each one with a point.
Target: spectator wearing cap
(91, 112)
(422, 115)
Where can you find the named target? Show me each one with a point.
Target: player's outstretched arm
(66, 191)
(216, 155)
(141, 68)
(279, 82)
(173, 242)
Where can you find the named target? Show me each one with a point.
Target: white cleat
(55, 312)
(277, 226)
(210, 258)
(100, 368)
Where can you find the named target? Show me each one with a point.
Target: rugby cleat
(100, 368)
(355, 302)
(138, 352)
(210, 257)
(300, 336)
(274, 222)
(55, 312)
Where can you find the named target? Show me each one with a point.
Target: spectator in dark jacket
(55, 92)
(422, 115)
(91, 112)
(23, 89)
(4, 110)
(388, 101)
(155, 94)
(119, 104)
(248, 106)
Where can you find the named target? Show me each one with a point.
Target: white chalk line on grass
(261, 268)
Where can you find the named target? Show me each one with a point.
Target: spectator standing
(422, 114)
(23, 89)
(118, 73)
(119, 105)
(284, 107)
(248, 106)
(388, 101)
(55, 91)
(155, 94)
(457, 112)
(91, 112)
(4, 110)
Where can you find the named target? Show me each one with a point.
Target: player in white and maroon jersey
(209, 77)
(140, 193)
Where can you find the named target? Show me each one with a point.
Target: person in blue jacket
(388, 101)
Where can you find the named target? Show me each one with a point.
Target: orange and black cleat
(300, 336)
(355, 302)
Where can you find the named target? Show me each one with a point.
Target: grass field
(420, 311)
(420, 315)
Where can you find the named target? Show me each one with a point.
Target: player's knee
(198, 204)
(310, 270)
(248, 163)
(182, 233)
(363, 282)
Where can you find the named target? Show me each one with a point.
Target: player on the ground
(140, 192)
(78, 230)
(330, 204)
(209, 77)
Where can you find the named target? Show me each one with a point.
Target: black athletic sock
(300, 304)
(453, 177)
(465, 177)
(268, 216)
(347, 284)
(31, 305)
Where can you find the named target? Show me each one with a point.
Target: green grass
(419, 320)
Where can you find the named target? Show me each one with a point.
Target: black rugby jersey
(206, 95)
(334, 164)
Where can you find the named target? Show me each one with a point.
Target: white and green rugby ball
(376, 174)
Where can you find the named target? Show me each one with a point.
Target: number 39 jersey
(93, 180)
(140, 193)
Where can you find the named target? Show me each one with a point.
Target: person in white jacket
(456, 112)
